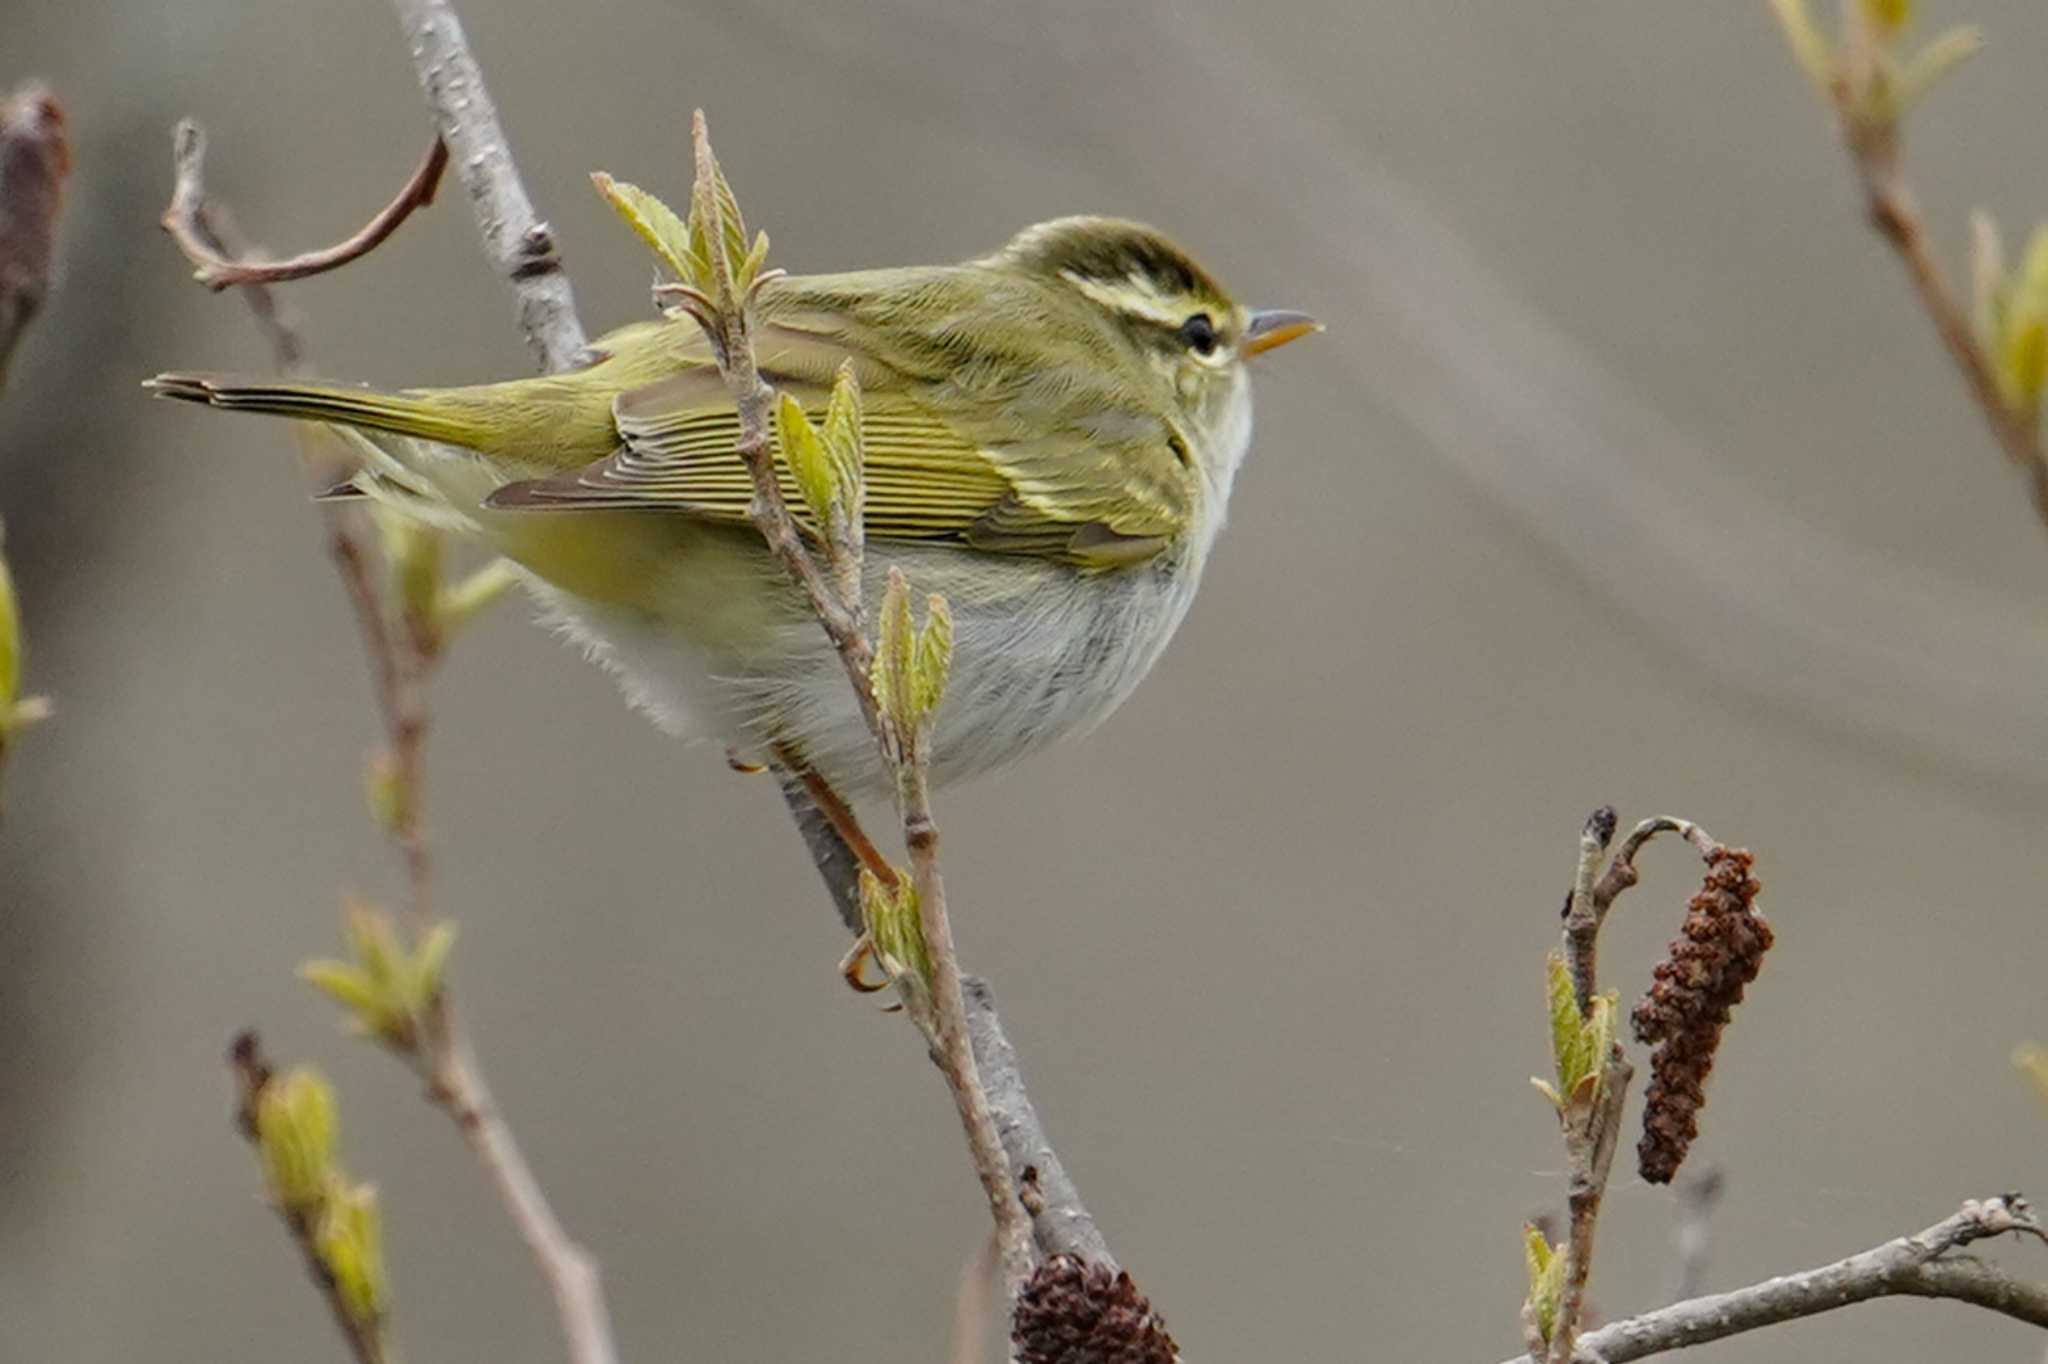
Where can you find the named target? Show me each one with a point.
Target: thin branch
(34, 161)
(1895, 213)
(252, 1073)
(219, 271)
(401, 662)
(1590, 1121)
(1870, 93)
(456, 1084)
(519, 244)
(1060, 1221)
(1621, 873)
(1582, 919)
(725, 313)
(1911, 1266)
(951, 1041)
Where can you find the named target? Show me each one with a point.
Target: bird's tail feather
(399, 413)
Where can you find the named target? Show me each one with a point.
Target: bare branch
(519, 244)
(1911, 1266)
(34, 161)
(218, 271)
(456, 1084)
(402, 661)
(1621, 872)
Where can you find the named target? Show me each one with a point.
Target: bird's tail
(411, 453)
(403, 414)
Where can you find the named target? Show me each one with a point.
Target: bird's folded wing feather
(927, 478)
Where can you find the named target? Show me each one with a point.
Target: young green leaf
(803, 451)
(655, 222)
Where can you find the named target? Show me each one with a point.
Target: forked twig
(218, 271)
(402, 655)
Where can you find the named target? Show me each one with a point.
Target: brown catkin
(1693, 992)
(1075, 1311)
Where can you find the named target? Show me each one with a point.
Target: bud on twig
(295, 1136)
(392, 994)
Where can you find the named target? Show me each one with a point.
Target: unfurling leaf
(350, 1242)
(934, 666)
(1546, 1267)
(896, 929)
(295, 1134)
(1579, 1044)
(842, 432)
(656, 223)
(895, 646)
(715, 221)
(389, 991)
(803, 450)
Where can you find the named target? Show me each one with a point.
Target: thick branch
(217, 270)
(519, 244)
(1911, 1266)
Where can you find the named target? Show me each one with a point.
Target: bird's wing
(927, 478)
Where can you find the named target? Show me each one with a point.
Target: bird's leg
(853, 966)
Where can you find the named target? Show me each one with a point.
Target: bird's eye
(1198, 334)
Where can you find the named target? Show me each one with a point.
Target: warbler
(1051, 434)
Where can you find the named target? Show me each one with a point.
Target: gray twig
(1918, 1266)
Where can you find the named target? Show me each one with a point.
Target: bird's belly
(1039, 652)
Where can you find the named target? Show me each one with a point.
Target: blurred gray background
(1628, 471)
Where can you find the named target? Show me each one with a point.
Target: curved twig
(217, 271)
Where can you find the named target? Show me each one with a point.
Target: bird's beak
(1276, 327)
